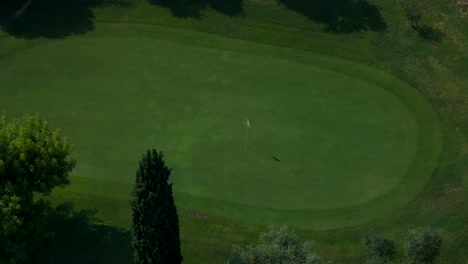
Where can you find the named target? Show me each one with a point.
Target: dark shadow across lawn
(194, 8)
(340, 16)
(53, 18)
(77, 237)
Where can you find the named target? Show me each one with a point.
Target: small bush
(379, 248)
(422, 245)
(278, 246)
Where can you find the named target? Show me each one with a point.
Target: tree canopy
(422, 245)
(155, 221)
(277, 246)
(33, 159)
(379, 248)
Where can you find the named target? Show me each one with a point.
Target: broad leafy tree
(155, 221)
(379, 248)
(33, 160)
(278, 246)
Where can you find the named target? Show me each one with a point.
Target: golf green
(324, 133)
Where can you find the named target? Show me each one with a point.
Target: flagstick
(246, 132)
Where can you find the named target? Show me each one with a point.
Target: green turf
(436, 68)
(348, 137)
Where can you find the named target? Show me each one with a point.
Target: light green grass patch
(354, 143)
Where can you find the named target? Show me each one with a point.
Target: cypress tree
(155, 222)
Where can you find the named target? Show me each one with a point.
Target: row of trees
(55, 19)
(34, 160)
(282, 246)
(422, 246)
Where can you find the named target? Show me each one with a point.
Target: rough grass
(436, 68)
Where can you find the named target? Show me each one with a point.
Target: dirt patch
(463, 5)
(451, 197)
(453, 191)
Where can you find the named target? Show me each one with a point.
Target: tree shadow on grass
(414, 12)
(340, 16)
(429, 33)
(194, 8)
(54, 18)
(78, 237)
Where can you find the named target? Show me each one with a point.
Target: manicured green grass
(436, 69)
(343, 138)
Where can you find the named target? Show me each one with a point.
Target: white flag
(248, 123)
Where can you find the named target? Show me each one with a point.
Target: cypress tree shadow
(194, 8)
(78, 237)
(54, 18)
(340, 16)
